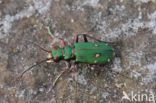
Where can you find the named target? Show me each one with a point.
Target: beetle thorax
(62, 53)
(57, 53)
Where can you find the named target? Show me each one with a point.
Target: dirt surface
(129, 24)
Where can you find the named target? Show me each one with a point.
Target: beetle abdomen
(93, 53)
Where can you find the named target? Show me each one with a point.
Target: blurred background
(130, 24)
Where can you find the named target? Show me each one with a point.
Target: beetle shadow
(117, 45)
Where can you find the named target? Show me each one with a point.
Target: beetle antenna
(39, 46)
(32, 67)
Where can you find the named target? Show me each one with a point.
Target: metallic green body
(93, 53)
(65, 52)
(87, 52)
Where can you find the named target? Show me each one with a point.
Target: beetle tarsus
(62, 72)
(55, 81)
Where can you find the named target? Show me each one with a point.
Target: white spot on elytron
(108, 60)
(95, 61)
(97, 55)
(106, 44)
(96, 45)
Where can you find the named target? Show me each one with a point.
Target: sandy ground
(129, 24)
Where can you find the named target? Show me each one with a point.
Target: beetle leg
(74, 73)
(51, 34)
(62, 40)
(62, 72)
(77, 38)
(91, 37)
(85, 38)
(63, 43)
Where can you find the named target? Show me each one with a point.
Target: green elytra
(87, 52)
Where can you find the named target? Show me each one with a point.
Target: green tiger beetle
(83, 52)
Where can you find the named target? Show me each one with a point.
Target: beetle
(96, 52)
